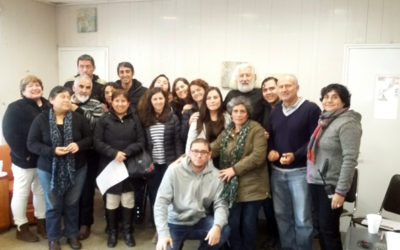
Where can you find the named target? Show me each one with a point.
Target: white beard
(245, 88)
(81, 98)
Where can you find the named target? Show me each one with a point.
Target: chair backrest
(351, 196)
(6, 158)
(391, 202)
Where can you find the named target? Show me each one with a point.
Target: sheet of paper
(112, 174)
(392, 240)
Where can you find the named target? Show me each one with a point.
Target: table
(356, 234)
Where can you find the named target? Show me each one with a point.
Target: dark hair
(240, 100)
(119, 92)
(125, 65)
(267, 79)
(112, 84)
(155, 79)
(201, 140)
(186, 82)
(85, 57)
(198, 82)
(57, 90)
(147, 114)
(205, 118)
(340, 89)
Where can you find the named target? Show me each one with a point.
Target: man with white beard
(245, 78)
(91, 109)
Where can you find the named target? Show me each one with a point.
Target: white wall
(28, 45)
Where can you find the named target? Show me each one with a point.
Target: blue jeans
(180, 233)
(66, 206)
(292, 205)
(243, 223)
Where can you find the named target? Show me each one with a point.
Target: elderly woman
(16, 122)
(242, 150)
(336, 140)
(119, 136)
(60, 137)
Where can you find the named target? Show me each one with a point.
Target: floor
(98, 240)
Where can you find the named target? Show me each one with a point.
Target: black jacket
(135, 92)
(39, 141)
(16, 123)
(173, 147)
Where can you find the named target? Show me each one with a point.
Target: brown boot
(41, 228)
(25, 235)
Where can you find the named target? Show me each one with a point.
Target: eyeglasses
(201, 152)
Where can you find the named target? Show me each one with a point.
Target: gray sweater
(185, 197)
(340, 144)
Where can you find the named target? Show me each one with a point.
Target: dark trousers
(327, 219)
(154, 182)
(86, 200)
(243, 223)
(272, 227)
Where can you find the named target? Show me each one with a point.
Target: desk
(4, 202)
(356, 234)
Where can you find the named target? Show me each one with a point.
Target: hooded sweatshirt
(340, 144)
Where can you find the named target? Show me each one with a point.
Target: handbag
(140, 165)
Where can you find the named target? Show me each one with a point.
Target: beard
(81, 98)
(244, 88)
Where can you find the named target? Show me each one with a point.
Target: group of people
(217, 161)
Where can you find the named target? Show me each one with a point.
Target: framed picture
(87, 20)
(226, 73)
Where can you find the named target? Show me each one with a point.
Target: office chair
(391, 201)
(351, 197)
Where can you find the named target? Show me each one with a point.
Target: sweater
(340, 144)
(16, 123)
(185, 197)
(39, 141)
(113, 134)
(291, 133)
(173, 146)
(255, 97)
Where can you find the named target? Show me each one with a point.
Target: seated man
(188, 193)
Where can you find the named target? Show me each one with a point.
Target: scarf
(324, 120)
(229, 191)
(62, 167)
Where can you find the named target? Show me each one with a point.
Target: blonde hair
(28, 79)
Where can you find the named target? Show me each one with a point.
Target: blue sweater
(292, 133)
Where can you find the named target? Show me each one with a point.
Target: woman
(336, 140)
(180, 94)
(60, 137)
(107, 94)
(197, 88)
(242, 149)
(162, 81)
(16, 122)
(212, 119)
(118, 135)
(162, 136)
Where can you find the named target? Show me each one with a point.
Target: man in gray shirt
(189, 192)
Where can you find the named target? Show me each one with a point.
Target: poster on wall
(386, 100)
(87, 20)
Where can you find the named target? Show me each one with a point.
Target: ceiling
(79, 2)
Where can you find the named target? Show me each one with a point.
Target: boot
(41, 228)
(24, 234)
(54, 245)
(127, 226)
(111, 216)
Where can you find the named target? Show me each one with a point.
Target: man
(91, 109)
(188, 193)
(292, 122)
(86, 66)
(244, 78)
(126, 81)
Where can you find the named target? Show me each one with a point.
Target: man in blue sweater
(292, 122)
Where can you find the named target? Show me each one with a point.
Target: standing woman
(60, 137)
(242, 151)
(16, 123)
(197, 88)
(162, 81)
(162, 136)
(118, 135)
(180, 94)
(337, 141)
(212, 119)
(106, 97)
